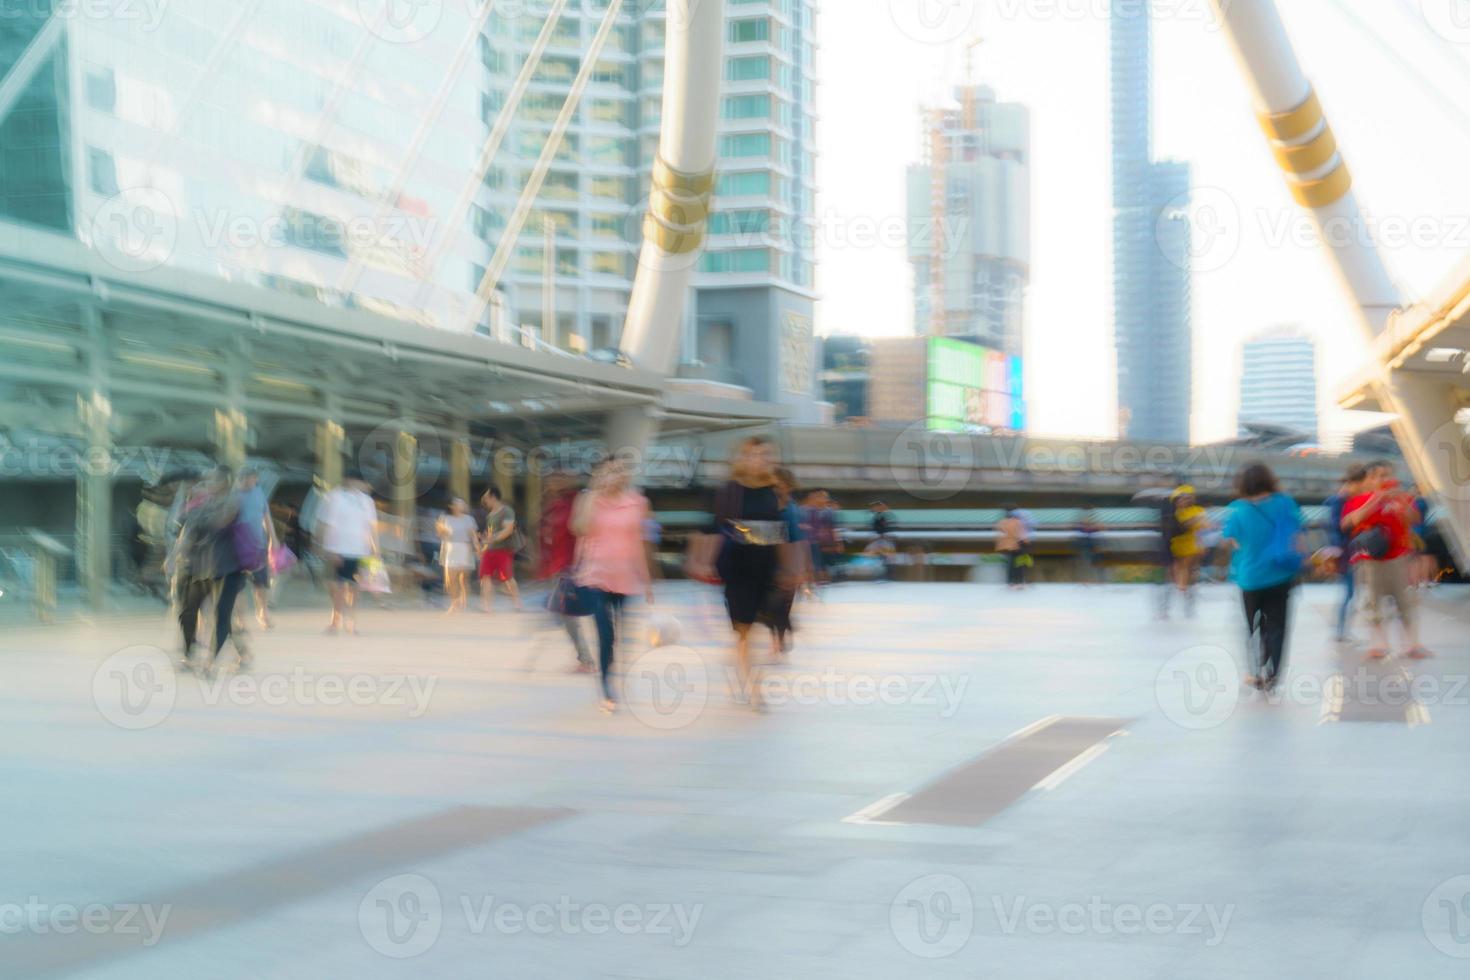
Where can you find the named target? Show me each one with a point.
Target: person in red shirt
(558, 553)
(1379, 522)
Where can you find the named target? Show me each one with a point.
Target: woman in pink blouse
(612, 563)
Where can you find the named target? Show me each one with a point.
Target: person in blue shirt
(778, 615)
(1265, 528)
(1352, 485)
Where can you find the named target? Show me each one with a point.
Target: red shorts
(497, 563)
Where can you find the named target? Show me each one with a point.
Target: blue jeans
(1349, 579)
(607, 613)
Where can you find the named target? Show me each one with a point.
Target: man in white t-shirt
(347, 532)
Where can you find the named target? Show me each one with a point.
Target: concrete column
(459, 465)
(531, 515)
(94, 477)
(231, 428)
(404, 477)
(505, 475)
(330, 438)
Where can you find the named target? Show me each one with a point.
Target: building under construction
(969, 216)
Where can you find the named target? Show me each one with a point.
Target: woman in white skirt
(459, 553)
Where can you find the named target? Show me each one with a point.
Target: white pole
(683, 183)
(1302, 141)
(1307, 152)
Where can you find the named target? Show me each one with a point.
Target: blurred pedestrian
(1012, 542)
(346, 530)
(459, 548)
(257, 534)
(557, 557)
(216, 569)
(1339, 542)
(500, 540)
(1380, 520)
(783, 597)
(750, 531)
(612, 562)
(1088, 531)
(1185, 546)
(1264, 525)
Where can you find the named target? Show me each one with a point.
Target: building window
(746, 145)
(716, 342)
(103, 171)
(102, 89)
(757, 182)
(746, 107)
(748, 69)
(745, 31)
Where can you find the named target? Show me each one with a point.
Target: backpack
(1281, 553)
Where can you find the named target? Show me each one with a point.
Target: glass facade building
(1278, 381)
(295, 145)
(575, 258)
(1151, 249)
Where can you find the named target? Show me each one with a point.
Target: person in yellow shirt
(1184, 544)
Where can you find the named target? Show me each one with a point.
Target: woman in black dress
(752, 530)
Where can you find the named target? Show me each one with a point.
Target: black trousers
(607, 613)
(199, 589)
(1015, 571)
(195, 591)
(1266, 614)
(230, 588)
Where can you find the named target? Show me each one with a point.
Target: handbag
(1372, 544)
(248, 549)
(567, 599)
(282, 559)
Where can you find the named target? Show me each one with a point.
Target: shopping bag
(372, 577)
(283, 559)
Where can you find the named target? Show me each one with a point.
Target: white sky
(1390, 93)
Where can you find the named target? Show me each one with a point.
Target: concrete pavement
(441, 797)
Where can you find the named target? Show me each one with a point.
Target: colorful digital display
(973, 388)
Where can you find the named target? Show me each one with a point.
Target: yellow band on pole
(1303, 158)
(674, 240)
(1294, 123)
(690, 185)
(1320, 193)
(677, 209)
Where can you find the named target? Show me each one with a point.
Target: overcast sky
(1389, 73)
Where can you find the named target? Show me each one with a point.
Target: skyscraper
(969, 221)
(1278, 380)
(305, 150)
(750, 321)
(1151, 248)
